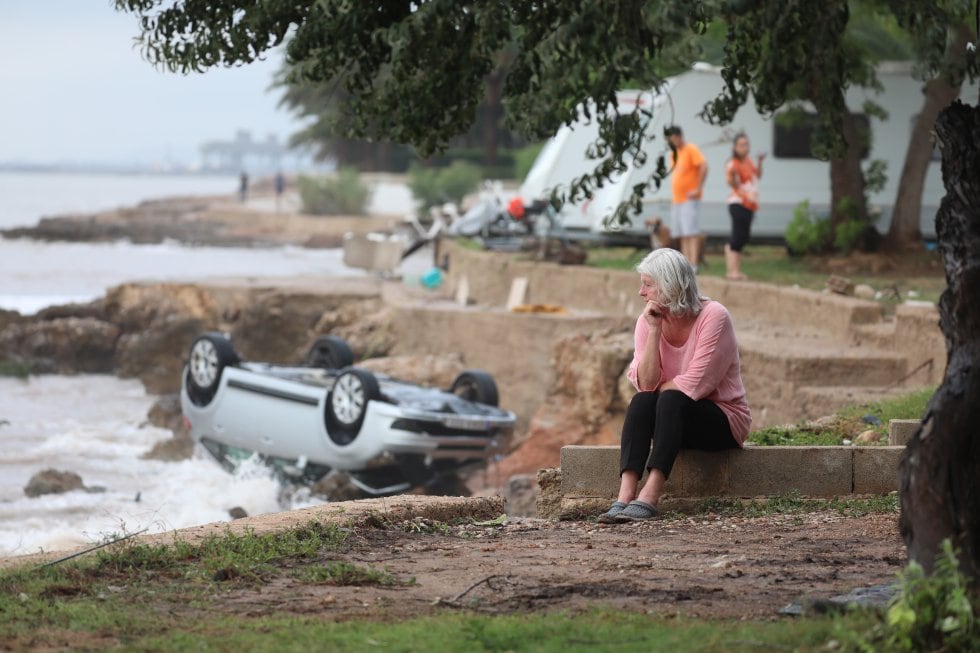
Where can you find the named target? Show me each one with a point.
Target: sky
(75, 89)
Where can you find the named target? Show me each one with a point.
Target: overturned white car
(324, 415)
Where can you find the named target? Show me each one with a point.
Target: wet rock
(178, 447)
(152, 221)
(61, 346)
(9, 317)
(165, 412)
(53, 481)
(237, 513)
(156, 356)
(94, 309)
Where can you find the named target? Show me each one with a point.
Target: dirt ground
(455, 553)
(738, 568)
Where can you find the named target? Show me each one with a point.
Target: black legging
(741, 224)
(670, 421)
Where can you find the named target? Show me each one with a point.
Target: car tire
(347, 403)
(330, 353)
(209, 355)
(476, 385)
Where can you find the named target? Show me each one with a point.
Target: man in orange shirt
(687, 182)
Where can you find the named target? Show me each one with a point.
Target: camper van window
(791, 138)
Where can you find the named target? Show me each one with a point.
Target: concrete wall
(615, 292)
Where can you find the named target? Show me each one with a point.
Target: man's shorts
(685, 219)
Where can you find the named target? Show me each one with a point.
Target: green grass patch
(116, 625)
(595, 631)
(615, 258)
(924, 279)
(848, 423)
(15, 369)
(794, 504)
(226, 556)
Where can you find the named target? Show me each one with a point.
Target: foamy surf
(95, 426)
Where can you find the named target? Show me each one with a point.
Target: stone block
(810, 471)
(876, 469)
(700, 473)
(373, 251)
(900, 431)
(589, 471)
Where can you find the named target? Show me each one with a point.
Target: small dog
(659, 233)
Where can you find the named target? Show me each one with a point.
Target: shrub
(849, 235)
(930, 613)
(341, 194)
(434, 186)
(807, 233)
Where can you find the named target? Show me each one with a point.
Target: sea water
(35, 274)
(96, 425)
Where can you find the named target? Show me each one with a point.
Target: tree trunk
(940, 469)
(491, 109)
(904, 232)
(846, 177)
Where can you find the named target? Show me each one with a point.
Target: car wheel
(347, 403)
(478, 386)
(330, 353)
(209, 355)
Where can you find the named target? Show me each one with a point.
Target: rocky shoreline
(200, 221)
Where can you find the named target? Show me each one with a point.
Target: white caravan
(790, 174)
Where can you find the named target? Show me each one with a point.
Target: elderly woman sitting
(689, 386)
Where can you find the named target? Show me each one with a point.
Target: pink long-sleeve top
(704, 367)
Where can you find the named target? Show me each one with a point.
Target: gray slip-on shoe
(608, 517)
(637, 511)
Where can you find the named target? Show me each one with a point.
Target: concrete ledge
(614, 292)
(593, 472)
(900, 431)
(876, 469)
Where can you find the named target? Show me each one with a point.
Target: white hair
(675, 279)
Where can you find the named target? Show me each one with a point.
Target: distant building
(243, 153)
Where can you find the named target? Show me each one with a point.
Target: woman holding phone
(742, 177)
(686, 372)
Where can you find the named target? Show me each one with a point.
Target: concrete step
(821, 362)
(592, 472)
(880, 335)
(818, 401)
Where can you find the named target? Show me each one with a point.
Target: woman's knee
(673, 404)
(674, 398)
(643, 401)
